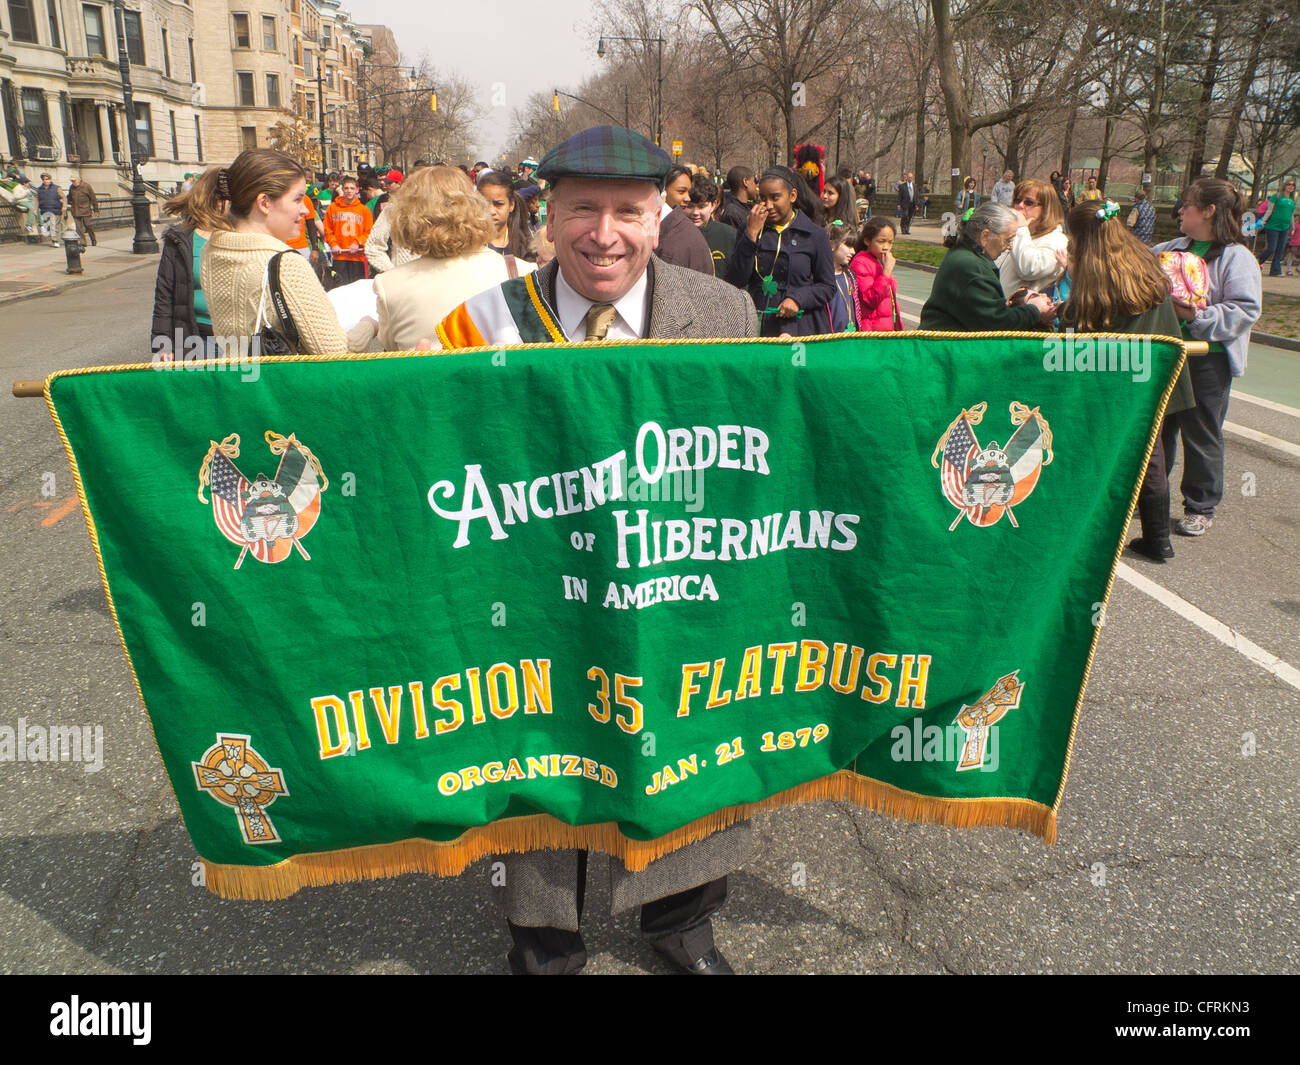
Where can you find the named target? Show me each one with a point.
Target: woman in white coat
(1032, 260)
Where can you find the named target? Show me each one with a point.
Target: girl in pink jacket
(875, 294)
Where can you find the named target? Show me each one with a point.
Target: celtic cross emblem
(237, 776)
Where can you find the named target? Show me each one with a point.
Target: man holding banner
(605, 284)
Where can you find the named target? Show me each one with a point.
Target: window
(311, 106)
(93, 19)
(36, 121)
(198, 138)
(246, 90)
(308, 69)
(134, 37)
(243, 36)
(22, 21)
(194, 70)
(268, 32)
(176, 148)
(248, 137)
(144, 130)
(167, 55)
(273, 90)
(53, 7)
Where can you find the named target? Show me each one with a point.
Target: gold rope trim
(103, 573)
(1119, 550)
(365, 356)
(542, 313)
(542, 832)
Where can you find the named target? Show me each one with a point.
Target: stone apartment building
(209, 78)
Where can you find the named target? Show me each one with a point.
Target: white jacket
(1030, 262)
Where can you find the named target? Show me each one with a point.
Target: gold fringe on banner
(543, 832)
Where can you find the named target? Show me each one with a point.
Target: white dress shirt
(572, 309)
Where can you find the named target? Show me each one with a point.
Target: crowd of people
(383, 257)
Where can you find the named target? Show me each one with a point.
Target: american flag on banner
(958, 453)
(228, 490)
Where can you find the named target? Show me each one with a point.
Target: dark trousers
(1201, 429)
(677, 926)
(346, 271)
(907, 213)
(1155, 482)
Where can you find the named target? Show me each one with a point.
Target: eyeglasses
(1026, 201)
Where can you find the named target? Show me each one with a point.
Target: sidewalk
(28, 270)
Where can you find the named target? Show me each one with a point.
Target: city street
(1179, 837)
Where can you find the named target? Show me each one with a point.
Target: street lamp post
(320, 111)
(144, 242)
(556, 94)
(984, 162)
(601, 51)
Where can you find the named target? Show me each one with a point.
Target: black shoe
(712, 964)
(1158, 551)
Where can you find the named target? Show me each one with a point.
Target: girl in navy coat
(784, 261)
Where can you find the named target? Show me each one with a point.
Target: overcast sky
(526, 45)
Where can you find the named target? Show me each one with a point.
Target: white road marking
(1259, 401)
(1284, 671)
(1246, 433)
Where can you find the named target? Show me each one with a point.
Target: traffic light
(433, 102)
(555, 102)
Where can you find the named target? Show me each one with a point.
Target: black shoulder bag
(271, 341)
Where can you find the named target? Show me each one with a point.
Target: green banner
(391, 613)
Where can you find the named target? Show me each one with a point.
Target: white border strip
(1284, 671)
(1259, 401)
(1276, 443)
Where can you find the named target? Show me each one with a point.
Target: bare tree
(782, 48)
(1055, 39)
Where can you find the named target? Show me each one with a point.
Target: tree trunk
(1067, 145)
(956, 105)
(1239, 99)
(1149, 152)
(1197, 158)
(919, 168)
(1011, 158)
(1103, 167)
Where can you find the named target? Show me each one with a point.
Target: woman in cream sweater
(446, 223)
(1032, 260)
(265, 190)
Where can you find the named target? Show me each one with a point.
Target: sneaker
(1193, 524)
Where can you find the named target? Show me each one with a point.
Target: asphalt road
(1178, 837)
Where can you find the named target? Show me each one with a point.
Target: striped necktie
(599, 318)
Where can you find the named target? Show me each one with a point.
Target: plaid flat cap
(606, 152)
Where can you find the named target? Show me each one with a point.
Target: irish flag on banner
(607, 596)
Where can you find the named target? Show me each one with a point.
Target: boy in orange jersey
(347, 226)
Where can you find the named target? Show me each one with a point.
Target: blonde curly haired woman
(442, 219)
